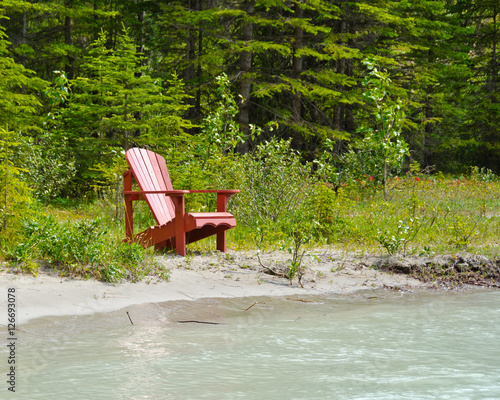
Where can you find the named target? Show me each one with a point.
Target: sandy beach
(198, 276)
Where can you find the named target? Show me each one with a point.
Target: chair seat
(198, 220)
(209, 215)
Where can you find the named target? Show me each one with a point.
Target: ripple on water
(382, 346)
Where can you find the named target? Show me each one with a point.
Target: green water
(374, 345)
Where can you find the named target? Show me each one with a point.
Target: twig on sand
(199, 322)
(271, 271)
(302, 300)
(129, 317)
(257, 302)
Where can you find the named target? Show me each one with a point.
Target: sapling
(383, 149)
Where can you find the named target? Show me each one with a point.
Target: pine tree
(18, 103)
(116, 104)
(481, 123)
(18, 108)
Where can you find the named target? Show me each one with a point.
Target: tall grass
(423, 215)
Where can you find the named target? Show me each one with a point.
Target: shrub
(49, 169)
(332, 210)
(15, 195)
(275, 188)
(84, 248)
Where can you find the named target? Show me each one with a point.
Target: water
(376, 345)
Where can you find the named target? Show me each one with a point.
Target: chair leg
(180, 244)
(221, 241)
(180, 229)
(129, 221)
(129, 216)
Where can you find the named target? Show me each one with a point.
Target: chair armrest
(165, 192)
(224, 191)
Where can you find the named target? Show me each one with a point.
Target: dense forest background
(83, 80)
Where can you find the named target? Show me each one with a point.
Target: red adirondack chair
(175, 228)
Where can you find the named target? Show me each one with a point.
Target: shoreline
(201, 276)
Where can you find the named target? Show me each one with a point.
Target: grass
(422, 215)
(440, 215)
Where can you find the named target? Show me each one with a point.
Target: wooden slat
(164, 171)
(160, 169)
(160, 203)
(212, 215)
(150, 162)
(166, 192)
(139, 168)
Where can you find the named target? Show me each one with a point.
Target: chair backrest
(150, 171)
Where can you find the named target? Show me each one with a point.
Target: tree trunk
(68, 39)
(190, 59)
(339, 123)
(245, 81)
(197, 105)
(140, 45)
(23, 36)
(297, 65)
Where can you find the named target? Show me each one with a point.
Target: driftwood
(199, 322)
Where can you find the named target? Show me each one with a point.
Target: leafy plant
(83, 248)
(383, 149)
(405, 233)
(221, 133)
(15, 195)
(483, 174)
(463, 227)
(275, 186)
(110, 179)
(49, 168)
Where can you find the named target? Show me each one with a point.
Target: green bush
(83, 248)
(332, 211)
(49, 168)
(15, 194)
(275, 186)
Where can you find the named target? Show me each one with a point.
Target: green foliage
(116, 104)
(15, 195)
(202, 156)
(426, 212)
(383, 149)
(109, 182)
(221, 133)
(462, 228)
(18, 104)
(115, 100)
(153, 85)
(49, 168)
(275, 188)
(297, 63)
(398, 239)
(483, 174)
(200, 160)
(83, 248)
(331, 208)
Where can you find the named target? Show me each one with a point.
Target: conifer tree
(116, 104)
(18, 108)
(480, 139)
(18, 103)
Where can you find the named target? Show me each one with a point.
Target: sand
(198, 276)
